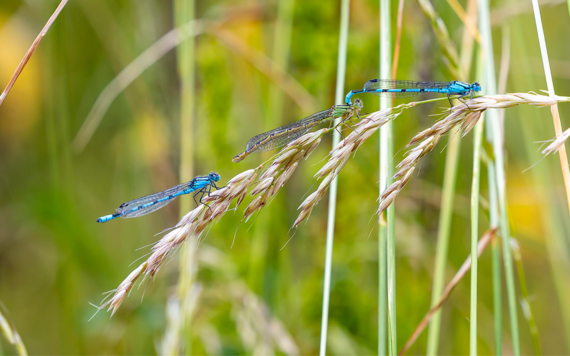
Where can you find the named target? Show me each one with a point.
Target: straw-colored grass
(465, 267)
(31, 51)
(10, 334)
(279, 170)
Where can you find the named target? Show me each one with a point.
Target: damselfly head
(358, 104)
(476, 87)
(214, 176)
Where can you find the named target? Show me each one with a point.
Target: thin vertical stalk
(475, 235)
(495, 135)
(495, 247)
(9, 332)
(496, 259)
(382, 245)
(497, 307)
(184, 11)
(31, 50)
(398, 40)
(386, 233)
(554, 108)
(280, 55)
(443, 233)
(558, 254)
(525, 300)
(447, 199)
(391, 262)
(339, 95)
(383, 291)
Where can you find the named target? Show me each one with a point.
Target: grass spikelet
(466, 116)
(190, 226)
(340, 154)
(263, 185)
(281, 169)
(113, 303)
(554, 146)
(278, 172)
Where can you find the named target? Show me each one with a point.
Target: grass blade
(482, 245)
(554, 109)
(497, 306)
(450, 171)
(184, 12)
(525, 301)
(9, 332)
(443, 234)
(31, 50)
(475, 234)
(339, 96)
(386, 233)
(494, 135)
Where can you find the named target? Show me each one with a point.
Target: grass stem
(339, 95)
(494, 135)
(9, 332)
(554, 109)
(184, 12)
(497, 295)
(443, 233)
(525, 300)
(386, 232)
(31, 50)
(475, 234)
(482, 245)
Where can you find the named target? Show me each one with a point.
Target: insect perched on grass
(406, 88)
(153, 202)
(283, 135)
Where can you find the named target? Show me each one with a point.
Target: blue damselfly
(153, 202)
(405, 88)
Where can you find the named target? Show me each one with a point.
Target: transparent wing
(403, 84)
(394, 95)
(195, 184)
(282, 138)
(147, 210)
(377, 84)
(153, 197)
(283, 135)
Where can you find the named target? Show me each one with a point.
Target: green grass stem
(339, 95)
(475, 234)
(525, 300)
(443, 234)
(386, 233)
(184, 11)
(281, 50)
(497, 295)
(495, 137)
(450, 171)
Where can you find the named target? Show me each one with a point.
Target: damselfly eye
(215, 177)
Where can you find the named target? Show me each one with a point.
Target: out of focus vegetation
(54, 258)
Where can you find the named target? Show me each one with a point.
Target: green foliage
(54, 258)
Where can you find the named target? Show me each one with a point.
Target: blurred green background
(54, 258)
